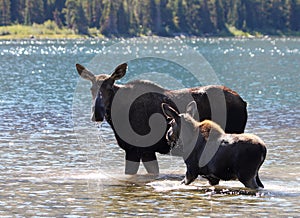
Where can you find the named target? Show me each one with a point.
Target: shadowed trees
(161, 17)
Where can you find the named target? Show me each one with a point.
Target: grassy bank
(47, 30)
(266, 32)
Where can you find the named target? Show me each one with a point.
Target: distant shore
(37, 31)
(44, 31)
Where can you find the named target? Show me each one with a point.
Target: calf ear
(85, 73)
(119, 72)
(168, 111)
(191, 108)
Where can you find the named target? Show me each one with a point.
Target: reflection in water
(53, 164)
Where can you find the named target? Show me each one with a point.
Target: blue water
(55, 162)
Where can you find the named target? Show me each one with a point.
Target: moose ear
(119, 72)
(168, 111)
(191, 108)
(85, 73)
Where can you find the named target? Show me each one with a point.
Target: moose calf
(213, 154)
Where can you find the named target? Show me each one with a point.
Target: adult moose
(212, 153)
(134, 113)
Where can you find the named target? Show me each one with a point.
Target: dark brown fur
(149, 103)
(236, 156)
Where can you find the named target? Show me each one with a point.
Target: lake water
(55, 162)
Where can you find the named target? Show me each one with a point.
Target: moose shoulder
(130, 110)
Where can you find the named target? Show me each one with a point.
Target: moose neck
(108, 96)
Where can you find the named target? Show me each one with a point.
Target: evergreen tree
(251, 14)
(123, 18)
(49, 8)
(34, 11)
(108, 21)
(133, 17)
(161, 17)
(75, 17)
(230, 12)
(220, 20)
(180, 16)
(88, 9)
(70, 13)
(206, 24)
(241, 15)
(17, 11)
(57, 18)
(97, 10)
(5, 18)
(154, 15)
(81, 21)
(295, 15)
(280, 15)
(167, 18)
(193, 17)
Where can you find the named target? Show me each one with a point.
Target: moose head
(177, 124)
(102, 90)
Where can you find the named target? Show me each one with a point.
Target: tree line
(160, 17)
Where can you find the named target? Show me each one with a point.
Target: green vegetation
(48, 30)
(78, 18)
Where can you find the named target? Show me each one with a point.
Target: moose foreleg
(189, 177)
(150, 162)
(132, 162)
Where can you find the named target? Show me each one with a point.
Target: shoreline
(50, 31)
(122, 37)
(42, 32)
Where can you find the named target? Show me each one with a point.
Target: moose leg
(247, 176)
(132, 162)
(259, 183)
(213, 181)
(150, 162)
(189, 177)
(249, 181)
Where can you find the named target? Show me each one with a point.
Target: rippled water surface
(55, 162)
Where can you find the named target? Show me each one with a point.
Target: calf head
(173, 132)
(102, 90)
(182, 125)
